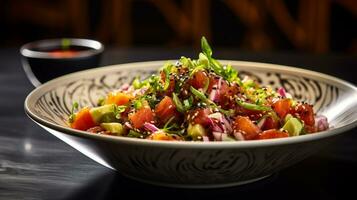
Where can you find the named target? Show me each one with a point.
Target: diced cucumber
(227, 138)
(113, 127)
(97, 113)
(293, 126)
(196, 131)
(108, 117)
(287, 117)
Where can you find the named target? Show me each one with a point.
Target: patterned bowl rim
(36, 93)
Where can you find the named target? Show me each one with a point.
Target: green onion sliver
(178, 103)
(251, 106)
(198, 94)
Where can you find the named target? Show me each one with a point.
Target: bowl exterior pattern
(205, 167)
(191, 167)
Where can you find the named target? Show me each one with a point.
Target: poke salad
(198, 100)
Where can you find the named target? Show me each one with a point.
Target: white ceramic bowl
(193, 164)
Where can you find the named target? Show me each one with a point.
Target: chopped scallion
(178, 103)
(251, 106)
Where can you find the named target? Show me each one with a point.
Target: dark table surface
(36, 165)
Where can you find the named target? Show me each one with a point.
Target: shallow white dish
(193, 164)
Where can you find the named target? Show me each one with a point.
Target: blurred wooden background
(314, 26)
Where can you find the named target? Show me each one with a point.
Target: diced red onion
(209, 120)
(321, 123)
(151, 127)
(227, 125)
(220, 123)
(127, 124)
(261, 122)
(140, 91)
(205, 138)
(124, 87)
(216, 127)
(214, 95)
(221, 120)
(238, 135)
(220, 126)
(282, 92)
(215, 122)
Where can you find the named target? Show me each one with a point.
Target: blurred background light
(254, 25)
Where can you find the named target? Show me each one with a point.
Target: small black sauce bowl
(41, 66)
